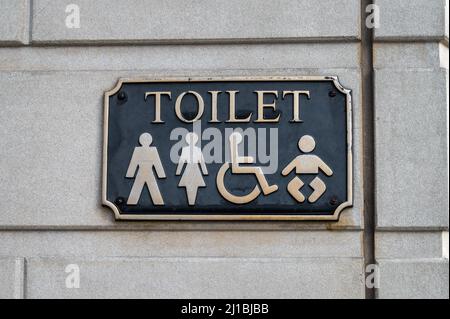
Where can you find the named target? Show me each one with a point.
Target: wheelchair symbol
(235, 140)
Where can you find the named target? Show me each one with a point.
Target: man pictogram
(144, 159)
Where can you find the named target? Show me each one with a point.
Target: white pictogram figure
(237, 169)
(192, 177)
(144, 159)
(307, 164)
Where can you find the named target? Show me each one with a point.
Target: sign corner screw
(333, 201)
(120, 200)
(122, 96)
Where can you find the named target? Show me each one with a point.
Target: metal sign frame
(236, 217)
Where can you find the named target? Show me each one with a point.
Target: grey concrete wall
(52, 81)
(411, 149)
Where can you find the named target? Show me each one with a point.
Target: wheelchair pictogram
(237, 169)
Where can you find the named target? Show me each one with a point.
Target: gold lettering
(214, 106)
(200, 109)
(157, 104)
(261, 106)
(296, 103)
(232, 118)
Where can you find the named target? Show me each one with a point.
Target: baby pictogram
(237, 168)
(307, 164)
(144, 159)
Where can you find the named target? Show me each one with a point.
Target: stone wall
(411, 148)
(52, 80)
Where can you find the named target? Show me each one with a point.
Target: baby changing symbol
(307, 164)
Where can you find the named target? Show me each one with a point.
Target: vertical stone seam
(19, 278)
(30, 22)
(445, 245)
(368, 104)
(25, 277)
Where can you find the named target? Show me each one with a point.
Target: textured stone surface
(182, 243)
(411, 20)
(198, 278)
(50, 149)
(14, 22)
(446, 21)
(445, 244)
(186, 57)
(50, 159)
(443, 56)
(406, 55)
(421, 278)
(201, 20)
(409, 244)
(11, 278)
(411, 149)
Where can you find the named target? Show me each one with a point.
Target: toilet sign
(249, 148)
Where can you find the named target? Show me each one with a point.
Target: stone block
(411, 20)
(196, 278)
(50, 163)
(409, 244)
(413, 279)
(405, 55)
(411, 161)
(232, 244)
(14, 22)
(157, 21)
(12, 278)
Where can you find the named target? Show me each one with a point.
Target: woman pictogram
(192, 177)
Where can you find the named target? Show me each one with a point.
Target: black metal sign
(265, 148)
